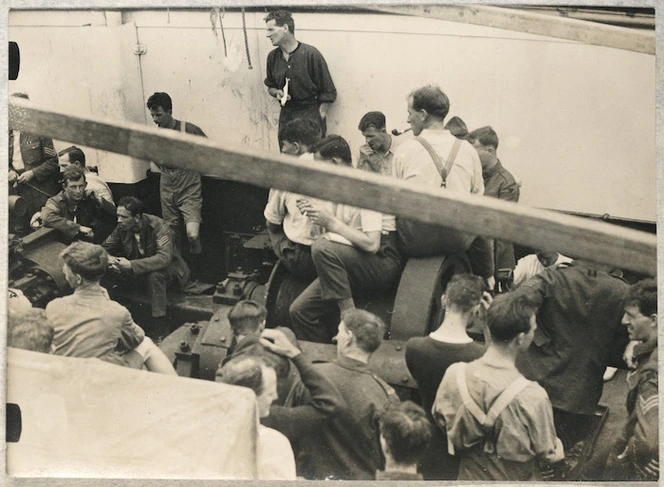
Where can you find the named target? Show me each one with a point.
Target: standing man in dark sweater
(498, 183)
(297, 74)
(429, 357)
(180, 189)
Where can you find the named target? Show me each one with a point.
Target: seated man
(437, 159)
(533, 264)
(75, 214)
(88, 324)
(247, 320)
(499, 423)
(30, 330)
(348, 446)
(74, 155)
(275, 455)
(405, 432)
(357, 255)
(429, 357)
(145, 248)
(636, 453)
(291, 233)
(33, 168)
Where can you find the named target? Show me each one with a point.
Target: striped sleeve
(643, 446)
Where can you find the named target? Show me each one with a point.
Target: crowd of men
(506, 408)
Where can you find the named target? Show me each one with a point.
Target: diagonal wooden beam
(532, 23)
(597, 241)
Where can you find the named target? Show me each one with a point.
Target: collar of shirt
(351, 364)
(91, 288)
(492, 170)
(646, 348)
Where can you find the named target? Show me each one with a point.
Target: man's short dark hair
(367, 328)
(372, 119)
(281, 18)
(76, 155)
(245, 372)
(407, 431)
(486, 136)
(464, 291)
(432, 99)
(72, 173)
(301, 130)
(246, 317)
(510, 314)
(30, 330)
(333, 146)
(134, 205)
(87, 259)
(643, 295)
(160, 99)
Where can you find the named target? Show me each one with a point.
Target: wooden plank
(574, 236)
(532, 23)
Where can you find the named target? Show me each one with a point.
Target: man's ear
(653, 318)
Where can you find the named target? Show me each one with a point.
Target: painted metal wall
(576, 122)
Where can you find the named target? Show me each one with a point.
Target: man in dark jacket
(33, 167)
(577, 336)
(75, 214)
(145, 248)
(348, 447)
(498, 183)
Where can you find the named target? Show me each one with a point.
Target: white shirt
(276, 460)
(281, 209)
(530, 265)
(17, 157)
(412, 162)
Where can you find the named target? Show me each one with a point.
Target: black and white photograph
(336, 241)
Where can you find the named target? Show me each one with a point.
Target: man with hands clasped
(357, 255)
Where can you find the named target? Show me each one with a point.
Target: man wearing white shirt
(427, 108)
(533, 264)
(292, 233)
(357, 255)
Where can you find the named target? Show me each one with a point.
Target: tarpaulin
(88, 418)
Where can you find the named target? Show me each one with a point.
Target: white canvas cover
(87, 418)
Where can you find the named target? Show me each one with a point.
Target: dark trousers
(295, 257)
(311, 112)
(157, 284)
(343, 271)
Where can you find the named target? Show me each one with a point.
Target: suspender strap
(444, 171)
(183, 126)
(505, 399)
(468, 401)
(498, 406)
